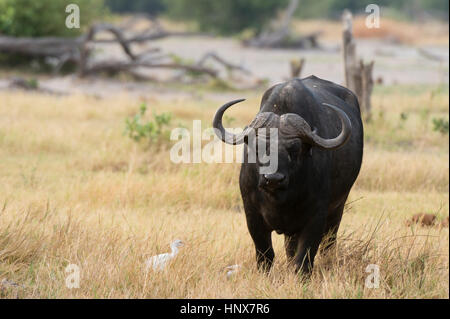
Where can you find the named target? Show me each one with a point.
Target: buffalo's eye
(293, 156)
(293, 151)
(293, 147)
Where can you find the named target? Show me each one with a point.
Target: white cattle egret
(160, 261)
(232, 270)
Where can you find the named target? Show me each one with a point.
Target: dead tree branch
(275, 38)
(282, 37)
(229, 66)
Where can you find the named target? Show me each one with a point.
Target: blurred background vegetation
(43, 18)
(29, 18)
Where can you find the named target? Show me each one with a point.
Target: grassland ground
(75, 190)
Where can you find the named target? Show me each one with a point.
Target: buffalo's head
(294, 142)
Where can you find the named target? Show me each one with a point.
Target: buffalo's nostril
(274, 178)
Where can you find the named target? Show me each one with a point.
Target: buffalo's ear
(246, 137)
(307, 149)
(250, 139)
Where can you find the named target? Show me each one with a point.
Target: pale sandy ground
(394, 63)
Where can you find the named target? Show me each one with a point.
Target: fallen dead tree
(115, 66)
(79, 52)
(280, 36)
(230, 67)
(36, 47)
(86, 68)
(59, 47)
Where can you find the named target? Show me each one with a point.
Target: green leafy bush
(155, 130)
(441, 125)
(151, 7)
(31, 18)
(402, 8)
(226, 17)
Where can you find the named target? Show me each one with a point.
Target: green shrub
(37, 18)
(154, 131)
(396, 8)
(226, 17)
(441, 125)
(151, 7)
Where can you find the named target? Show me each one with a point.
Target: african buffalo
(304, 199)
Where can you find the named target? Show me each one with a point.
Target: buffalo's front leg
(308, 243)
(290, 244)
(262, 238)
(331, 228)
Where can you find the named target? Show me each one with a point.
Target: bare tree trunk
(367, 87)
(297, 67)
(349, 50)
(358, 75)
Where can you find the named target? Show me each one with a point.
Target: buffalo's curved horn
(263, 119)
(295, 125)
(342, 138)
(225, 136)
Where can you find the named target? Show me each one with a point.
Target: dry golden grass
(75, 190)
